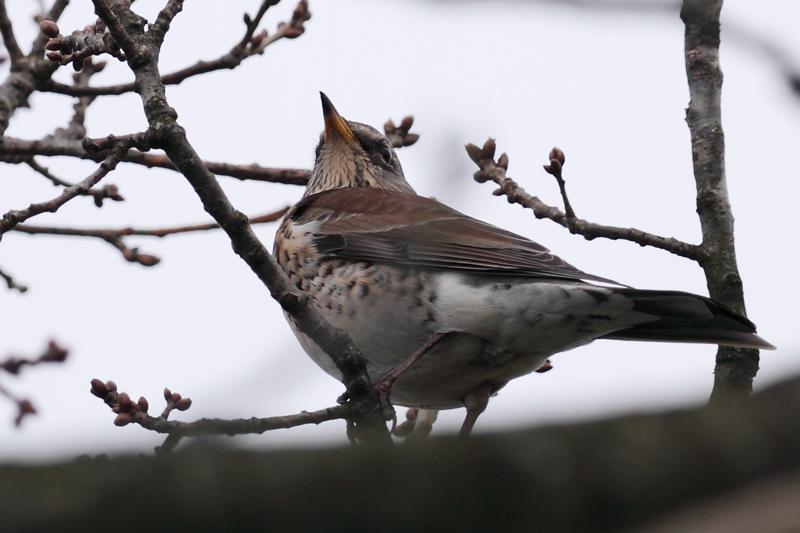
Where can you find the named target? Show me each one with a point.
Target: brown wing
(364, 224)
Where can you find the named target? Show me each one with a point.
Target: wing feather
(367, 224)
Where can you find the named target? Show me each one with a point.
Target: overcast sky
(608, 88)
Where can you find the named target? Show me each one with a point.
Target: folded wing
(364, 224)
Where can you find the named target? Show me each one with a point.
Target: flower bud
(49, 28)
(558, 155)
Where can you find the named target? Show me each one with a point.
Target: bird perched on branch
(446, 308)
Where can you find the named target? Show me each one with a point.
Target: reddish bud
(24, 408)
(54, 44)
(502, 161)
(167, 394)
(143, 404)
(293, 32)
(174, 398)
(257, 39)
(125, 403)
(55, 353)
(554, 167)
(558, 155)
(406, 123)
(49, 28)
(99, 388)
(147, 260)
(410, 139)
(54, 56)
(183, 404)
(110, 385)
(123, 419)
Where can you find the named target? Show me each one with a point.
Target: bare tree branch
(14, 217)
(15, 151)
(115, 237)
(171, 137)
(13, 364)
(11, 283)
(7, 31)
(495, 170)
(129, 412)
(249, 46)
(108, 191)
(736, 367)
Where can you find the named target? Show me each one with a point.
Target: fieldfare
(446, 308)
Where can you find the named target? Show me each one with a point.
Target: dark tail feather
(685, 317)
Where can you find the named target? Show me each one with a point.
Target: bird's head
(351, 154)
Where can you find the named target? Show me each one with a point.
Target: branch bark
(735, 367)
(495, 170)
(171, 137)
(14, 217)
(7, 31)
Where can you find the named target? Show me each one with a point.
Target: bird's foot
(547, 366)
(417, 425)
(408, 425)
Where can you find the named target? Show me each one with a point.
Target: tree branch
(14, 217)
(495, 170)
(14, 151)
(735, 367)
(137, 413)
(233, 58)
(369, 419)
(115, 237)
(13, 365)
(11, 283)
(7, 31)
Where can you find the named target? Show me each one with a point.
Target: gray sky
(609, 89)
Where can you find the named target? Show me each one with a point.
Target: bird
(446, 308)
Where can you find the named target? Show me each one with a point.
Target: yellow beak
(334, 123)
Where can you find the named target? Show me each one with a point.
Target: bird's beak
(335, 125)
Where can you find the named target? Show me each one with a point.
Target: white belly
(496, 330)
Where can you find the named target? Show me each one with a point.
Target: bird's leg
(475, 402)
(384, 385)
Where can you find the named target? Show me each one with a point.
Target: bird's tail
(685, 317)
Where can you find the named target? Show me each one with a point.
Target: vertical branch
(735, 367)
(7, 31)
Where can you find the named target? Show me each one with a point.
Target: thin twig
(14, 217)
(12, 150)
(108, 191)
(7, 31)
(129, 412)
(11, 283)
(367, 413)
(115, 236)
(230, 60)
(13, 364)
(495, 170)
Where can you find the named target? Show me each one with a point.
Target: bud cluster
(129, 411)
(80, 45)
(400, 135)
